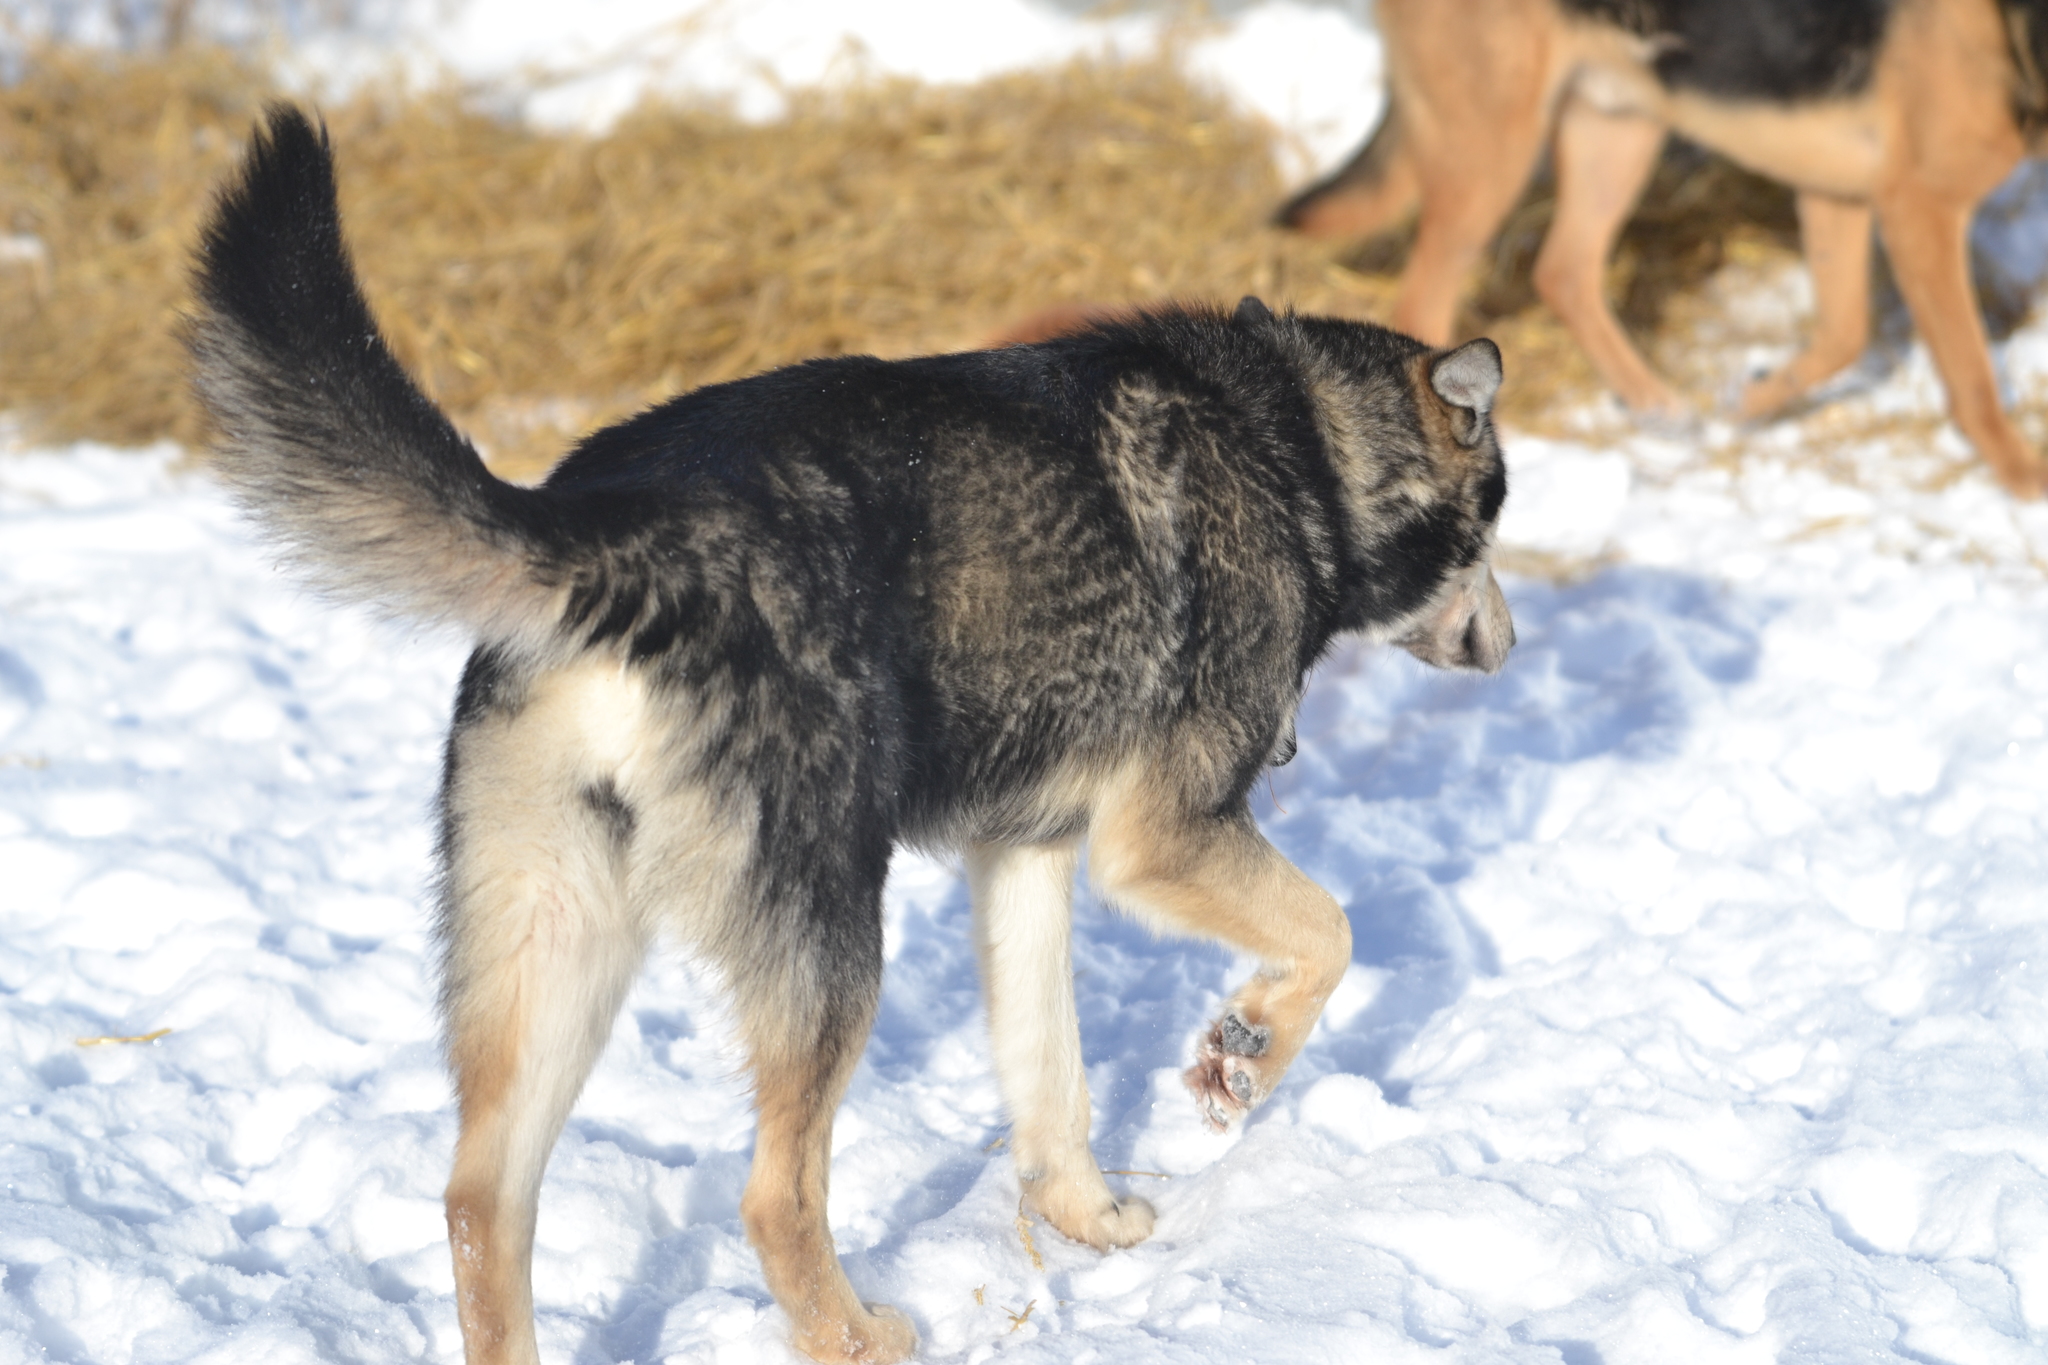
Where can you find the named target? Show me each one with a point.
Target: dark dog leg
(1835, 236)
(806, 1020)
(1023, 922)
(1603, 161)
(1215, 875)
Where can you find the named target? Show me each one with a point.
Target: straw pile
(539, 283)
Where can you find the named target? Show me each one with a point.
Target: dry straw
(540, 282)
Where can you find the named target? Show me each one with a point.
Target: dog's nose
(1490, 634)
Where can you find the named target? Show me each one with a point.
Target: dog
(737, 648)
(1909, 110)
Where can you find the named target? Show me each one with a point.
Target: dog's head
(1466, 623)
(1411, 430)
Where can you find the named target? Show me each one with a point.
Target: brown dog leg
(1474, 88)
(806, 1001)
(1927, 235)
(1603, 161)
(1216, 876)
(1835, 235)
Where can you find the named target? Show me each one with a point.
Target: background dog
(1910, 109)
(740, 646)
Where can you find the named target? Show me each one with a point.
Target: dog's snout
(1473, 629)
(1491, 632)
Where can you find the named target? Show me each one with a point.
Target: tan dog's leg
(1835, 235)
(1927, 236)
(1467, 189)
(1603, 161)
(1023, 927)
(540, 952)
(801, 1068)
(1474, 86)
(1216, 876)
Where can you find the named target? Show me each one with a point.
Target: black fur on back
(1779, 50)
(940, 559)
(886, 600)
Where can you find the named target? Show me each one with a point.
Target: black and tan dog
(738, 648)
(1913, 110)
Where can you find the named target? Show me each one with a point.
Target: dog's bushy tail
(322, 434)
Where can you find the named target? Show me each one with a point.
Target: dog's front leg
(1216, 876)
(1835, 235)
(1023, 925)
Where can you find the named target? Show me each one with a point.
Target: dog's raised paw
(1226, 1078)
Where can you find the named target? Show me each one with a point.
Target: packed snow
(1696, 1012)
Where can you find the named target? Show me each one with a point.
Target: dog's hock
(1468, 377)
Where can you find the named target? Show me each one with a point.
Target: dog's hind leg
(1927, 236)
(540, 947)
(1475, 87)
(1371, 192)
(1214, 874)
(805, 979)
(1603, 161)
(1948, 67)
(1835, 236)
(1023, 926)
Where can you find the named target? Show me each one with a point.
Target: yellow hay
(538, 282)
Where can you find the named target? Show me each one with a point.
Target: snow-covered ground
(1697, 1012)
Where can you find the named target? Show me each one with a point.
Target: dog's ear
(1468, 377)
(1251, 309)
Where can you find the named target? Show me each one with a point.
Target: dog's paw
(1226, 1078)
(879, 1335)
(1104, 1226)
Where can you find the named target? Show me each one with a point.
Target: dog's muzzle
(1468, 627)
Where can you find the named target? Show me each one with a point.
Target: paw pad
(1240, 1039)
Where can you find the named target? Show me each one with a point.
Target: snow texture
(1696, 1012)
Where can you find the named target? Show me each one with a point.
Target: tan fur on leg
(1476, 98)
(784, 1206)
(541, 948)
(1216, 876)
(1835, 234)
(1603, 162)
(1023, 923)
(1927, 238)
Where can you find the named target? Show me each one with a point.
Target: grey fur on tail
(323, 436)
